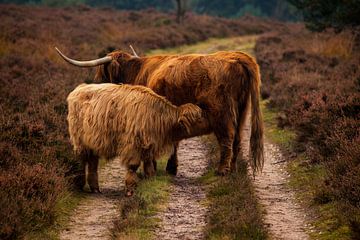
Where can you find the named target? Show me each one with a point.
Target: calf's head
(192, 121)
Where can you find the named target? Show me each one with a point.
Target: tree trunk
(179, 11)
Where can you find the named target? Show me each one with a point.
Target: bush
(317, 89)
(28, 196)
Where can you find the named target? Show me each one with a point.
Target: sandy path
(93, 218)
(184, 217)
(284, 217)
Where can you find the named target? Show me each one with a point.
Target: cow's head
(110, 68)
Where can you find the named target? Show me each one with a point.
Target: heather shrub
(313, 78)
(28, 196)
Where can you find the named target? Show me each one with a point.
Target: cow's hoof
(233, 168)
(95, 190)
(171, 168)
(171, 171)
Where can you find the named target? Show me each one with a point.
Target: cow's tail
(257, 128)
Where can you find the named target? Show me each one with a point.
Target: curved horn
(134, 53)
(91, 63)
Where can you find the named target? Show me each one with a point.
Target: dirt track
(184, 217)
(284, 218)
(93, 218)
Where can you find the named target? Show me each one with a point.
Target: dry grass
(330, 45)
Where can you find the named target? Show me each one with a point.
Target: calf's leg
(80, 177)
(149, 168)
(131, 178)
(92, 177)
(149, 163)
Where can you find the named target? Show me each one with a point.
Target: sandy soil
(184, 217)
(93, 218)
(284, 217)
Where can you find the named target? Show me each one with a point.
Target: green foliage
(134, 4)
(236, 8)
(59, 3)
(231, 9)
(320, 14)
(249, 9)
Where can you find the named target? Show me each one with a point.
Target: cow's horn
(134, 53)
(91, 63)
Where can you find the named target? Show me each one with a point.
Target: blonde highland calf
(129, 122)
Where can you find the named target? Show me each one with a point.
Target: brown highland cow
(130, 122)
(223, 84)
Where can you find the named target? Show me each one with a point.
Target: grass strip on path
(137, 213)
(234, 212)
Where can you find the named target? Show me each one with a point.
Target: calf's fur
(129, 122)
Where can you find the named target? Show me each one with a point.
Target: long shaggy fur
(223, 84)
(126, 121)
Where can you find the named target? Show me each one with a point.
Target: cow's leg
(225, 133)
(172, 164)
(131, 178)
(237, 149)
(92, 177)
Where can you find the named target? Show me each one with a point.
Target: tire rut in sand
(184, 217)
(94, 217)
(284, 217)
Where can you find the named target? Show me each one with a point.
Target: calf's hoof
(129, 193)
(222, 171)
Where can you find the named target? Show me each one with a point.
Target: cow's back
(193, 78)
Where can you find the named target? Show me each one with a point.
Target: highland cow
(130, 122)
(223, 84)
